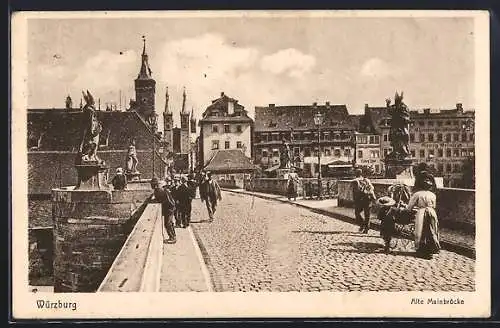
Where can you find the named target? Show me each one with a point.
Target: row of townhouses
(227, 141)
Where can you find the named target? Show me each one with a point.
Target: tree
(469, 173)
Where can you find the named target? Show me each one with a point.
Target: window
(455, 153)
(439, 137)
(385, 136)
(264, 137)
(448, 137)
(455, 136)
(448, 167)
(327, 151)
(412, 152)
(471, 152)
(431, 137)
(421, 123)
(471, 137)
(447, 123)
(440, 167)
(307, 152)
(326, 136)
(215, 129)
(455, 122)
(440, 152)
(374, 154)
(238, 144)
(276, 137)
(264, 152)
(360, 154)
(412, 137)
(361, 139)
(463, 153)
(430, 123)
(422, 153)
(215, 144)
(386, 152)
(377, 168)
(431, 152)
(347, 152)
(226, 144)
(296, 151)
(374, 140)
(464, 137)
(276, 153)
(439, 123)
(448, 152)
(456, 167)
(238, 128)
(422, 137)
(336, 152)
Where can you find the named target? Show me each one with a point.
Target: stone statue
(285, 155)
(399, 132)
(92, 129)
(132, 158)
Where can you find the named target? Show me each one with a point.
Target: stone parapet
(90, 227)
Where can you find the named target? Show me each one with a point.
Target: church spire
(183, 111)
(167, 97)
(145, 72)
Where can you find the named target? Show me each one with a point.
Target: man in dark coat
(184, 196)
(363, 194)
(163, 196)
(174, 190)
(210, 194)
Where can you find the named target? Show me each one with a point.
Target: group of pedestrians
(176, 195)
(420, 207)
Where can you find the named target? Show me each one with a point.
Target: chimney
(460, 109)
(271, 105)
(327, 104)
(315, 104)
(427, 111)
(222, 94)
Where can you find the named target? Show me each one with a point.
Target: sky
(257, 60)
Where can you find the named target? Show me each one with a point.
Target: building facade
(444, 139)
(225, 125)
(296, 123)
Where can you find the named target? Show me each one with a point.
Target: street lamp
(152, 123)
(318, 120)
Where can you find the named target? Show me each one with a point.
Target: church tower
(168, 122)
(145, 87)
(193, 123)
(185, 130)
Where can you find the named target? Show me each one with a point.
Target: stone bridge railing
(307, 187)
(137, 266)
(455, 207)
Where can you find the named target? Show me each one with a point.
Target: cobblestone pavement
(261, 245)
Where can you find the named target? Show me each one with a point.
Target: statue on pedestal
(400, 129)
(285, 155)
(132, 160)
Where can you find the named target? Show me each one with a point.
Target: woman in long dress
(292, 185)
(426, 221)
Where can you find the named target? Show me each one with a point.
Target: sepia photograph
(191, 164)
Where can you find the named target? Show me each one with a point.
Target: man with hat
(164, 197)
(174, 190)
(184, 196)
(119, 181)
(210, 193)
(363, 194)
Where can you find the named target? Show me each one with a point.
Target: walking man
(185, 197)
(363, 194)
(164, 197)
(174, 190)
(210, 193)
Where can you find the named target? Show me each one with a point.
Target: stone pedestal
(91, 176)
(398, 169)
(133, 176)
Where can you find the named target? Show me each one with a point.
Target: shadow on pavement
(345, 233)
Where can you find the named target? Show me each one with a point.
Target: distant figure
(422, 173)
(185, 195)
(210, 193)
(426, 221)
(175, 194)
(164, 197)
(119, 181)
(363, 194)
(293, 180)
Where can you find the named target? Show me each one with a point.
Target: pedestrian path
(451, 239)
(183, 268)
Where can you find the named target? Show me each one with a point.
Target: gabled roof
(301, 117)
(229, 160)
(220, 106)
